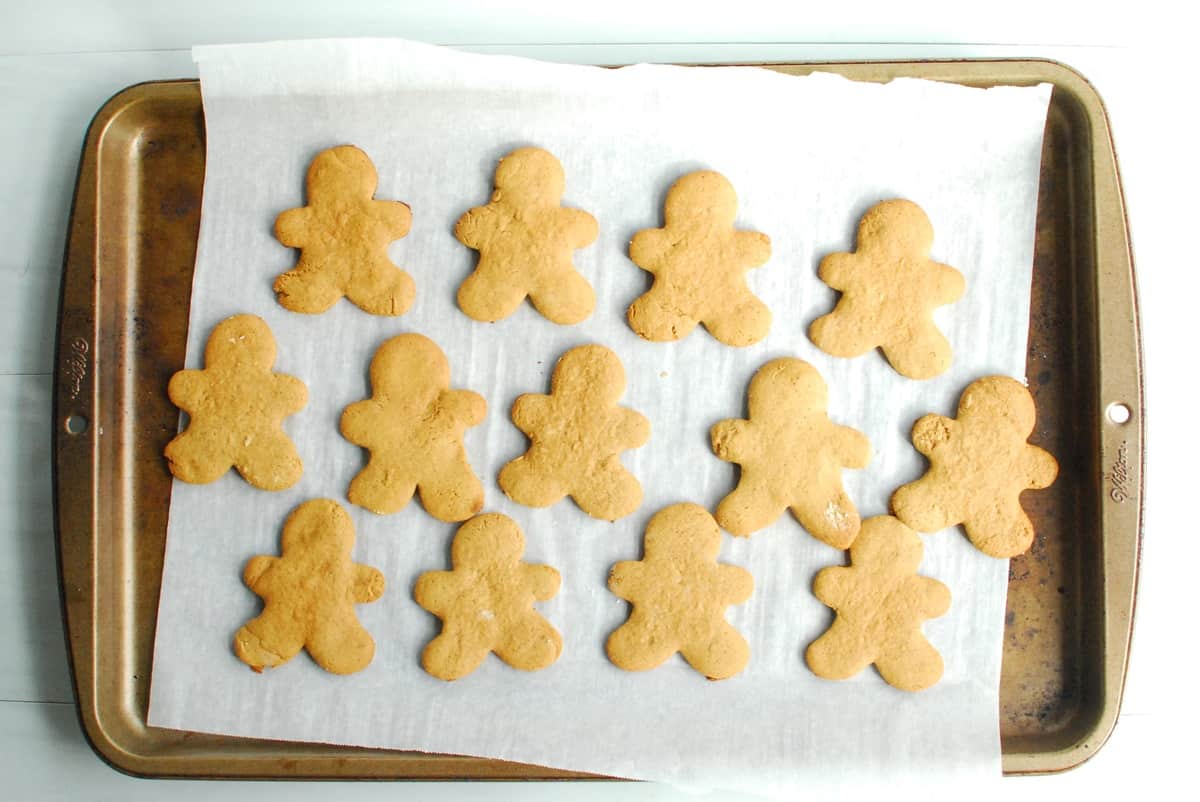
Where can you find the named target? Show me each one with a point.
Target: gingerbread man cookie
(236, 407)
(979, 464)
(578, 433)
(880, 602)
(791, 455)
(890, 288)
(309, 594)
(699, 262)
(486, 602)
(413, 425)
(679, 594)
(525, 239)
(343, 235)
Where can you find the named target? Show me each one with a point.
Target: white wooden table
(57, 66)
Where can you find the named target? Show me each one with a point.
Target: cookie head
(791, 387)
(1001, 401)
(683, 530)
(487, 539)
(898, 226)
(704, 197)
(590, 371)
(401, 359)
(885, 541)
(530, 176)
(242, 340)
(319, 525)
(345, 166)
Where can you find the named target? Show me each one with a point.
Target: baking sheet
(807, 156)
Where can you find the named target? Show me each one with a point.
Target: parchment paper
(807, 156)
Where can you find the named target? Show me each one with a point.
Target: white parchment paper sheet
(807, 156)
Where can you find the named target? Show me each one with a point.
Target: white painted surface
(46, 101)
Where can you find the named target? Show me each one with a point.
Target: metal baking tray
(126, 289)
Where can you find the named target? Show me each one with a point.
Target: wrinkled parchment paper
(807, 156)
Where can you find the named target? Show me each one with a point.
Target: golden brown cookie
(880, 602)
(791, 455)
(413, 425)
(699, 262)
(890, 288)
(236, 407)
(309, 594)
(343, 235)
(486, 602)
(979, 464)
(679, 594)
(578, 433)
(525, 239)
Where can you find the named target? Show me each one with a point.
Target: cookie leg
(567, 298)
(1003, 533)
(724, 653)
(269, 461)
(922, 505)
(828, 516)
(842, 334)
(748, 508)
(383, 289)
(452, 492)
(531, 646)
(341, 645)
(926, 354)
(523, 482)
(840, 653)
(489, 296)
(740, 325)
(911, 664)
(269, 640)
(306, 290)
(453, 654)
(655, 319)
(634, 646)
(608, 494)
(380, 489)
(191, 460)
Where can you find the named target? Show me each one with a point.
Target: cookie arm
(852, 446)
(395, 216)
(368, 583)
(632, 429)
(932, 431)
(734, 584)
(530, 411)
(292, 226)
(837, 270)
(648, 248)
(464, 406)
(934, 597)
(732, 439)
(948, 284)
(626, 580)
(583, 227)
(293, 394)
(833, 586)
(754, 247)
(256, 569)
(475, 227)
(1041, 469)
(187, 388)
(542, 580)
(436, 590)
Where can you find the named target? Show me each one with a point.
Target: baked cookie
(343, 235)
(890, 288)
(486, 602)
(236, 407)
(791, 455)
(979, 464)
(699, 263)
(310, 592)
(679, 593)
(526, 240)
(578, 433)
(880, 602)
(413, 425)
